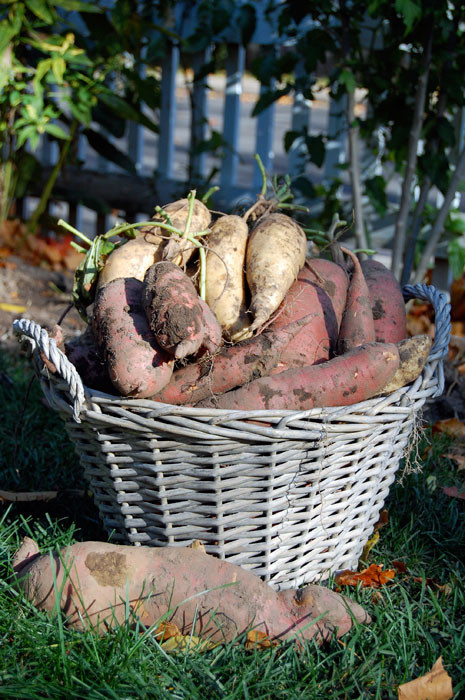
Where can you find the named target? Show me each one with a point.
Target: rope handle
(40, 340)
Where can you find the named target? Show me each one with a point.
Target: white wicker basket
(292, 496)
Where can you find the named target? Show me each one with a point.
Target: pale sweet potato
(136, 364)
(225, 288)
(131, 260)
(387, 302)
(413, 353)
(275, 254)
(347, 379)
(176, 249)
(103, 585)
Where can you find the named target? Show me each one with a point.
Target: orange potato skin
(345, 380)
(99, 583)
(357, 326)
(387, 302)
(136, 364)
(331, 278)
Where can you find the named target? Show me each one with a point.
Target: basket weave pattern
(292, 496)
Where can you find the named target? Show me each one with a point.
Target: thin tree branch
(354, 172)
(405, 200)
(438, 225)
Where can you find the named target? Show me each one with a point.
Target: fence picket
(232, 114)
(199, 118)
(168, 113)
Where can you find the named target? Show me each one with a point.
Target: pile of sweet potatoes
(243, 319)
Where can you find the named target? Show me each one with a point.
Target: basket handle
(40, 342)
(441, 306)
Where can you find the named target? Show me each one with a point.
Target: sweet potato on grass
(275, 254)
(387, 302)
(102, 585)
(357, 325)
(316, 340)
(136, 364)
(347, 379)
(233, 366)
(225, 291)
(175, 312)
(332, 278)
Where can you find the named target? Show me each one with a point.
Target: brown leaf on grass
(454, 492)
(166, 630)
(434, 584)
(374, 539)
(259, 640)
(435, 685)
(382, 520)
(453, 427)
(459, 459)
(373, 577)
(399, 566)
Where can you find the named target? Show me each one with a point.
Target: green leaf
(347, 78)
(42, 10)
(77, 5)
(124, 109)
(316, 149)
(289, 138)
(55, 130)
(410, 12)
(58, 68)
(42, 69)
(267, 98)
(79, 110)
(375, 188)
(303, 185)
(108, 151)
(456, 256)
(28, 169)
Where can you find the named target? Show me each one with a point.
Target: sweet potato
(131, 260)
(103, 585)
(413, 353)
(316, 341)
(347, 379)
(176, 249)
(173, 309)
(231, 367)
(388, 306)
(332, 278)
(275, 254)
(84, 353)
(136, 364)
(357, 325)
(212, 335)
(225, 291)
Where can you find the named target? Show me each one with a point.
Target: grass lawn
(418, 617)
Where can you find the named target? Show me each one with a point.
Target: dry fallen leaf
(459, 459)
(400, 567)
(374, 539)
(12, 308)
(259, 640)
(453, 427)
(373, 577)
(382, 520)
(435, 685)
(454, 492)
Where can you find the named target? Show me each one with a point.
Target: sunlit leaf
(373, 577)
(435, 685)
(256, 639)
(42, 10)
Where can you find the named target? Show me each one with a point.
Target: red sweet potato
(332, 278)
(231, 367)
(136, 364)
(316, 341)
(173, 309)
(347, 379)
(212, 335)
(357, 325)
(103, 585)
(387, 302)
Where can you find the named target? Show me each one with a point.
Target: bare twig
(405, 199)
(438, 225)
(354, 171)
